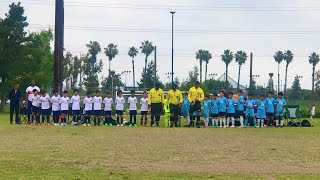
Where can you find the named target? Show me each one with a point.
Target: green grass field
(29, 152)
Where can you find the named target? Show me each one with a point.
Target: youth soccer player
(87, 101)
(222, 103)
(64, 102)
(240, 107)
(231, 109)
(144, 109)
(271, 102)
(108, 101)
(186, 108)
(97, 101)
(120, 107)
(45, 107)
(313, 112)
(280, 105)
(75, 101)
(250, 105)
(166, 113)
(206, 109)
(55, 101)
(261, 112)
(132, 101)
(36, 108)
(215, 110)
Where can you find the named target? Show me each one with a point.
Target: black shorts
(156, 108)
(76, 112)
(64, 111)
(97, 112)
(196, 107)
(214, 115)
(269, 114)
(119, 112)
(174, 109)
(144, 113)
(133, 112)
(221, 114)
(107, 113)
(45, 112)
(231, 114)
(240, 114)
(89, 112)
(36, 109)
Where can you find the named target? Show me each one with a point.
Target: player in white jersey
(144, 109)
(29, 94)
(55, 101)
(64, 102)
(132, 101)
(119, 107)
(45, 107)
(97, 101)
(108, 101)
(75, 101)
(36, 106)
(87, 101)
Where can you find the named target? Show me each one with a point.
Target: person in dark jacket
(14, 97)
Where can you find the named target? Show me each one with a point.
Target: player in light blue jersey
(261, 112)
(186, 108)
(222, 103)
(232, 103)
(271, 102)
(240, 107)
(206, 109)
(250, 105)
(280, 105)
(215, 110)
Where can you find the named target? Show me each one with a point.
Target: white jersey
(108, 104)
(55, 100)
(45, 102)
(313, 111)
(87, 101)
(97, 101)
(75, 101)
(144, 104)
(64, 101)
(132, 103)
(29, 91)
(120, 103)
(36, 101)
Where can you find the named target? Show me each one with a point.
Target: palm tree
(227, 58)
(94, 49)
(241, 58)
(133, 53)
(278, 57)
(146, 48)
(111, 51)
(203, 55)
(314, 60)
(288, 57)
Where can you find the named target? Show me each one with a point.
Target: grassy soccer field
(29, 152)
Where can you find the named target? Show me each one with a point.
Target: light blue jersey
(240, 104)
(185, 106)
(250, 108)
(261, 112)
(270, 104)
(231, 106)
(206, 108)
(280, 106)
(222, 104)
(214, 106)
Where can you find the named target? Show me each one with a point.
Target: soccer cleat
(213, 126)
(110, 125)
(121, 125)
(65, 124)
(232, 126)
(106, 124)
(130, 125)
(135, 125)
(118, 125)
(43, 124)
(84, 124)
(220, 126)
(88, 124)
(48, 124)
(38, 124)
(62, 124)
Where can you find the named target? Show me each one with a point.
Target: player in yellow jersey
(196, 95)
(155, 102)
(174, 98)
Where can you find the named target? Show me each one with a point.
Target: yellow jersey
(155, 96)
(166, 106)
(196, 94)
(174, 97)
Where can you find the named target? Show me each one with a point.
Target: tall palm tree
(111, 52)
(288, 57)
(227, 58)
(278, 57)
(133, 53)
(94, 49)
(203, 55)
(146, 48)
(314, 60)
(241, 58)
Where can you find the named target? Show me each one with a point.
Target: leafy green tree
(288, 57)
(203, 55)
(133, 53)
(111, 52)
(278, 57)
(112, 81)
(147, 80)
(227, 58)
(94, 49)
(241, 58)
(192, 77)
(146, 48)
(313, 60)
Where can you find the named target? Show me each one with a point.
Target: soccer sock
(277, 122)
(42, 119)
(48, 119)
(141, 120)
(145, 120)
(228, 121)
(32, 118)
(262, 122)
(74, 119)
(99, 121)
(121, 120)
(246, 122)
(157, 119)
(281, 123)
(188, 120)
(241, 120)
(258, 124)
(38, 119)
(207, 121)
(220, 119)
(130, 119)
(254, 122)
(95, 120)
(224, 121)
(78, 118)
(118, 122)
(152, 120)
(232, 120)
(135, 119)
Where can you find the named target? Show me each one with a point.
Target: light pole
(169, 75)
(172, 15)
(212, 75)
(125, 73)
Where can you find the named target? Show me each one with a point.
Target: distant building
(232, 82)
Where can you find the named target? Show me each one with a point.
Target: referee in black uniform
(14, 97)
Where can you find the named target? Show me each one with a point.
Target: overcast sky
(213, 25)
